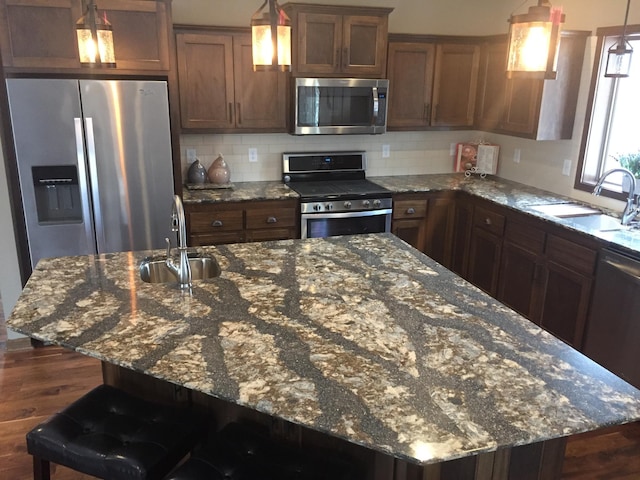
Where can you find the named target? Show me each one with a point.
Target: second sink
(155, 270)
(599, 222)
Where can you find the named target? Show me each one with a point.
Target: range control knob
(317, 207)
(347, 205)
(329, 206)
(366, 203)
(377, 203)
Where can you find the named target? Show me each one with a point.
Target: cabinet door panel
(491, 88)
(364, 51)
(260, 96)
(462, 224)
(565, 305)
(320, 40)
(519, 275)
(439, 230)
(455, 85)
(522, 106)
(484, 260)
(206, 88)
(410, 72)
(411, 231)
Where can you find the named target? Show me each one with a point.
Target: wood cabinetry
(40, 36)
(219, 91)
(530, 108)
(234, 222)
(485, 248)
(432, 82)
(409, 219)
(335, 40)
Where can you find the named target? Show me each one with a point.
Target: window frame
(599, 65)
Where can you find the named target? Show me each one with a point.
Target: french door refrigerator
(94, 162)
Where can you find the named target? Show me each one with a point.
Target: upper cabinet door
(40, 35)
(492, 82)
(455, 84)
(205, 77)
(332, 40)
(410, 71)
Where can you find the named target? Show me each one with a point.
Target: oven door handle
(364, 213)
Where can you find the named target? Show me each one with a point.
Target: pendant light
(271, 38)
(95, 39)
(619, 57)
(534, 38)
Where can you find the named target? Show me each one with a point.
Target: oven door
(314, 225)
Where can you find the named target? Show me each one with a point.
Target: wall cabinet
(219, 91)
(432, 83)
(338, 41)
(40, 36)
(530, 108)
(234, 222)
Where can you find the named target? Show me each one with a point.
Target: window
(612, 129)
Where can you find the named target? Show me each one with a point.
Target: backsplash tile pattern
(411, 153)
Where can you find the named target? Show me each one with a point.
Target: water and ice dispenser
(57, 194)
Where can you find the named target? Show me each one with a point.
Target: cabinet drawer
(219, 238)
(271, 218)
(409, 209)
(223, 220)
(488, 220)
(572, 255)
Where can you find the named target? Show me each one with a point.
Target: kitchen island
(362, 339)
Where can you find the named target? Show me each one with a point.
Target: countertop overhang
(363, 338)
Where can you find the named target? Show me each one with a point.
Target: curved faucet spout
(632, 208)
(182, 270)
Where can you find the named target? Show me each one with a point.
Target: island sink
(155, 270)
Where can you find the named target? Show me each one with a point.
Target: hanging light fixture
(619, 57)
(95, 39)
(271, 38)
(534, 38)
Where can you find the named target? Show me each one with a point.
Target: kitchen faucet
(182, 270)
(632, 208)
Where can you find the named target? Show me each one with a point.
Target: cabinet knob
(216, 223)
(487, 221)
(411, 211)
(272, 220)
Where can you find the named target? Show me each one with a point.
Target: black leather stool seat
(113, 435)
(242, 452)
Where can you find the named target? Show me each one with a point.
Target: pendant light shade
(95, 39)
(534, 39)
(619, 56)
(271, 38)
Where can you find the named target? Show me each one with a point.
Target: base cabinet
(409, 219)
(237, 222)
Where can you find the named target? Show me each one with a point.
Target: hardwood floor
(35, 383)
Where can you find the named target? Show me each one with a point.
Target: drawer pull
(216, 223)
(411, 211)
(272, 220)
(487, 221)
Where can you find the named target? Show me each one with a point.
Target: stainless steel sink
(155, 270)
(599, 222)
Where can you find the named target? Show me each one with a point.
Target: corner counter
(361, 338)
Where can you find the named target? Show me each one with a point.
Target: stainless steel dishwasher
(613, 327)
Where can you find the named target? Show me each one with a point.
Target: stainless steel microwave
(334, 106)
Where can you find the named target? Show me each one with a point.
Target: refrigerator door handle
(95, 189)
(82, 182)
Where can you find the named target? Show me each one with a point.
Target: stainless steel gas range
(336, 198)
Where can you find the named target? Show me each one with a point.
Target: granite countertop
(363, 338)
(239, 191)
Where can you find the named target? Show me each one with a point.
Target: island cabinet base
(542, 460)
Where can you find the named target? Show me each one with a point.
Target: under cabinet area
(141, 32)
(332, 40)
(219, 91)
(432, 82)
(236, 222)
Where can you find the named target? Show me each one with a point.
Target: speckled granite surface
(241, 191)
(361, 337)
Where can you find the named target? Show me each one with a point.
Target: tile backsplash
(410, 153)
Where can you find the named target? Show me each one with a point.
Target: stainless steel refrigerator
(94, 161)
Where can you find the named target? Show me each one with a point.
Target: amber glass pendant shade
(534, 40)
(95, 39)
(271, 38)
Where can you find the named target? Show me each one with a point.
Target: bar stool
(111, 434)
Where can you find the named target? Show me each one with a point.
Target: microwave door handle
(376, 106)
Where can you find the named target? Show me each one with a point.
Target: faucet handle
(166, 239)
